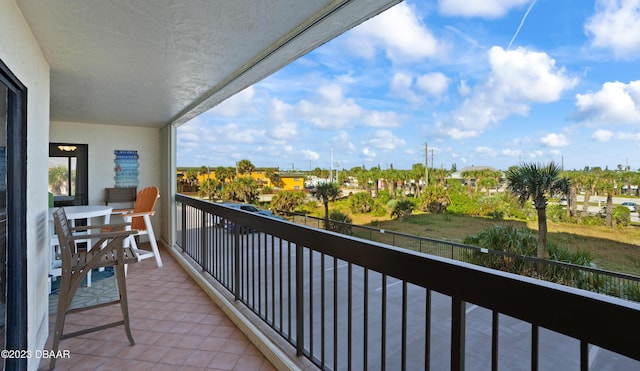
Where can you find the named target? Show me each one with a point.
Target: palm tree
(606, 184)
(246, 189)
(589, 180)
(225, 173)
(418, 173)
(245, 167)
(208, 188)
(192, 177)
(537, 182)
(272, 174)
(287, 200)
(204, 170)
(58, 179)
(325, 192)
(375, 175)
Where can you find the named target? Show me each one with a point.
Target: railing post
(458, 319)
(184, 227)
(203, 240)
(236, 262)
(299, 279)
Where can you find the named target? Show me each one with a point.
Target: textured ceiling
(155, 62)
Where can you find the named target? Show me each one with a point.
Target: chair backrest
(145, 202)
(63, 230)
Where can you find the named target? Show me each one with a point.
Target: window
(68, 173)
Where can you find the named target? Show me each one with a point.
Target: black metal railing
(616, 284)
(348, 303)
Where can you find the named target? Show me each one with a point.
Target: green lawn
(615, 249)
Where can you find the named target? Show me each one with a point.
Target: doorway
(68, 174)
(13, 210)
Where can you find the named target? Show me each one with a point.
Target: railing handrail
(532, 259)
(604, 321)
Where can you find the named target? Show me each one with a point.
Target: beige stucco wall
(102, 140)
(20, 52)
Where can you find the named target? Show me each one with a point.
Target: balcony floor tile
(175, 324)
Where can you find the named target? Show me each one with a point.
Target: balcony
(346, 303)
(336, 302)
(174, 323)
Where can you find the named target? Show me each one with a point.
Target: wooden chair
(108, 251)
(140, 219)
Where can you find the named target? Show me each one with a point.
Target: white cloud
(485, 151)
(616, 26)
(606, 135)
(369, 154)
(555, 140)
(517, 79)
(237, 133)
(343, 142)
(512, 152)
(435, 84)
(602, 135)
(284, 131)
(456, 133)
(310, 155)
(536, 154)
(615, 103)
(628, 136)
(330, 109)
(484, 8)
(401, 84)
(235, 105)
(464, 89)
(410, 40)
(432, 84)
(386, 141)
(527, 75)
(382, 119)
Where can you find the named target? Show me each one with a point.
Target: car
(563, 202)
(632, 206)
(229, 225)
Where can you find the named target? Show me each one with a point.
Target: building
(265, 177)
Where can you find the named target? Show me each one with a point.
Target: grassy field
(614, 249)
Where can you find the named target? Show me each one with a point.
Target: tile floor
(174, 323)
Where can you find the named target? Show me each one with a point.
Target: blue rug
(103, 290)
(95, 277)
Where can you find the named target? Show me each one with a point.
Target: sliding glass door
(3, 212)
(13, 210)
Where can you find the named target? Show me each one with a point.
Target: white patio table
(74, 213)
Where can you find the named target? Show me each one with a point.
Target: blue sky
(485, 83)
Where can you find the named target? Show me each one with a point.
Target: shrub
(592, 220)
(361, 202)
(577, 257)
(621, 215)
(632, 291)
(402, 209)
(339, 222)
(379, 208)
(506, 238)
(556, 213)
(434, 199)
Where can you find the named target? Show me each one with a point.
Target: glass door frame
(16, 314)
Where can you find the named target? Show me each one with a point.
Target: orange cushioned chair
(140, 219)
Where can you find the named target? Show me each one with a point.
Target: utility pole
(432, 158)
(331, 167)
(426, 164)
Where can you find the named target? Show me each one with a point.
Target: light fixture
(67, 148)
